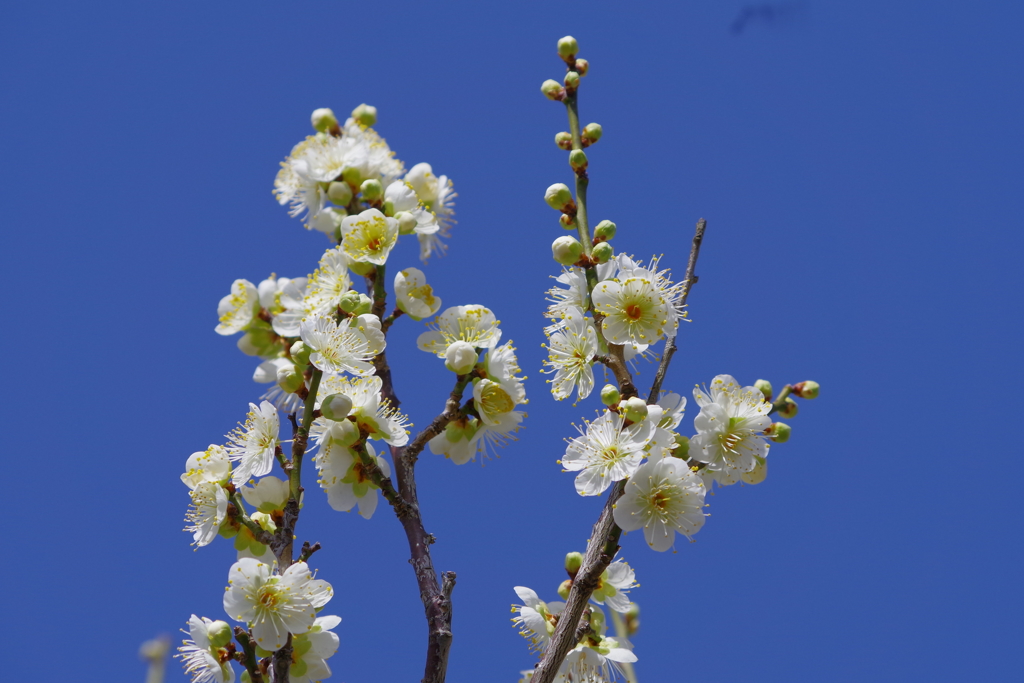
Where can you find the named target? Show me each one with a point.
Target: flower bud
(355, 303)
(765, 387)
(552, 89)
(372, 190)
(559, 197)
(568, 222)
(365, 114)
(460, 357)
(573, 562)
(609, 395)
(566, 250)
(567, 47)
(604, 231)
(632, 619)
(564, 588)
(572, 80)
(578, 160)
(406, 223)
(597, 620)
(758, 474)
(323, 120)
(300, 353)
(581, 67)
(336, 407)
(339, 193)
(219, 633)
(593, 132)
(289, 380)
(361, 268)
(682, 447)
(344, 432)
(635, 409)
(352, 175)
(789, 408)
(265, 521)
(779, 432)
(564, 141)
(602, 252)
(807, 389)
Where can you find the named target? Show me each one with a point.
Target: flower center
(634, 312)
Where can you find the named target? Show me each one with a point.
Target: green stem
(780, 400)
(258, 532)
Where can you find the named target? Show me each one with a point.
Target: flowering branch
(249, 660)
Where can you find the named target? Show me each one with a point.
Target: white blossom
(613, 585)
(343, 347)
(369, 237)
(608, 451)
(236, 311)
(202, 661)
(346, 480)
(662, 497)
(311, 649)
(414, 295)
(474, 324)
(269, 494)
(536, 619)
(634, 310)
(372, 413)
(730, 428)
(252, 446)
(571, 351)
(274, 605)
(207, 512)
(671, 292)
(211, 465)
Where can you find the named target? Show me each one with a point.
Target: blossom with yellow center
(414, 295)
(369, 236)
(474, 324)
(730, 429)
(236, 310)
(608, 451)
(662, 497)
(634, 310)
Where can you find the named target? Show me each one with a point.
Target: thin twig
(688, 283)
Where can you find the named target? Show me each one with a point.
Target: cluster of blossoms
(609, 309)
(321, 347)
(597, 656)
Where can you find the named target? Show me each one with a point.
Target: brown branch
(601, 549)
(688, 283)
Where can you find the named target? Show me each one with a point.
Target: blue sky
(860, 168)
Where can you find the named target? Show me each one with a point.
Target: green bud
(597, 620)
(593, 132)
(565, 220)
(572, 80)
(372, 190)
(758, 474)
(323, 120)
(566, 250)
(765, 387)
(365, 114)
(563, 589)
(552, 89)
(610, 395)
(807, 389)
(789, 408)
(602, 252)
(336, 407)
(219, 633)
(300, 353)
(573, 562)
(351, 175)
(682, 447)
(350, 300)
(564, 141)
(567, 47)
(344, 432)
(635, 409)
(604, 231)
(779, 432)
(581, 67)
(406, 222)
(559, 197)
(339, 193)
(578, 160)
(362, 268)
(289, 379)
